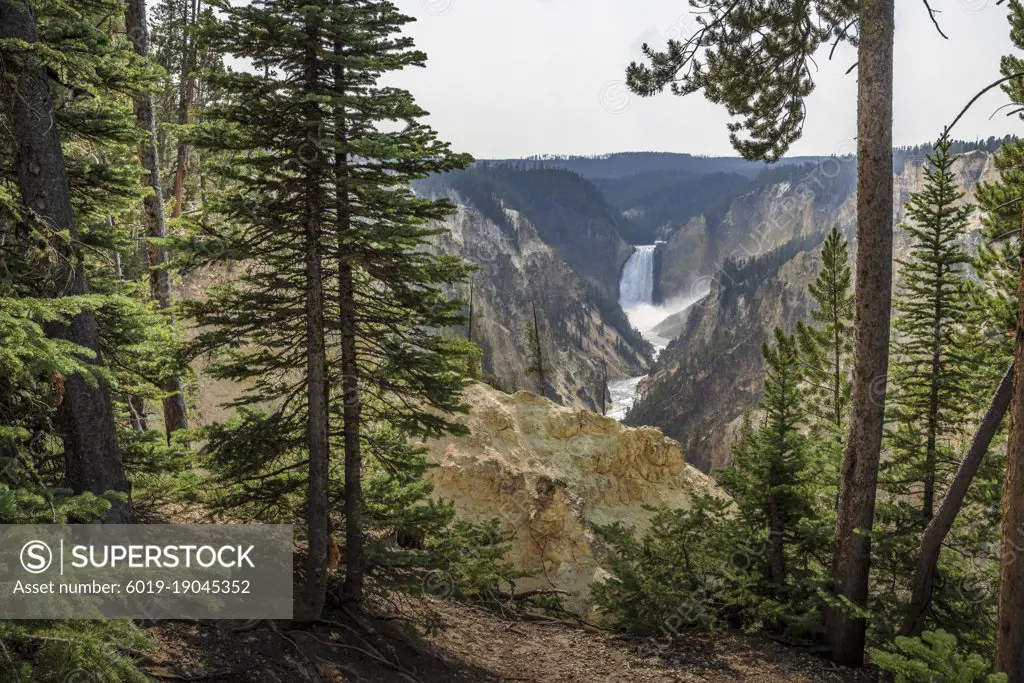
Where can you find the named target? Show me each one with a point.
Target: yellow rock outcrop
(550, 473)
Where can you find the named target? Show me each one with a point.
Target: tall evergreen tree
(928, 404)
(536, 351)
(756, 58)
(780, 471)
(828, 347)
(928, 395)
(86, 419)
(174, 408)
(770, 476)
(332, 320)
(1003, 217)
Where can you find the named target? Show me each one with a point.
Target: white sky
(511, 78)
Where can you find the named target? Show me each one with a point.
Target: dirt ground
(474, 646)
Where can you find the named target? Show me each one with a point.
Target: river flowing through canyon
(636, 296)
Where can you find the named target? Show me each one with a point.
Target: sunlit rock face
(584, 334)
(712, 372)
(549, 473)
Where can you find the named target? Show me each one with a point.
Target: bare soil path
(474, 646)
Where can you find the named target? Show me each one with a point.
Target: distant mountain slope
(569, 214)
(534, 249)
(658, 202)
(759, 261)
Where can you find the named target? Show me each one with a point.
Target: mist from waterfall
(636, 296)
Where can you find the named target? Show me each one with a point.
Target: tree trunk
(318, 516)
(175, 412)
(353, 589)
(852, 550)
(1010, 622)
(186, 91)
(352, 403)
(837, 372)
(137, 410)
(540, 353)
(935, 534)
(92, 455)
(931, 457)
(776, 547)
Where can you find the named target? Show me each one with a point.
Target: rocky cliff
(757, 262)
(583, 331)
(550, 473)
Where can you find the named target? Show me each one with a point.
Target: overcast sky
(512, 78)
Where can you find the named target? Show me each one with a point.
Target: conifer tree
(757, 60)
(45, 179)
(1004, 216)
(174, 409)
(928, 396)
(827, 349)
(771, 464)
(333, 319)
(536, 351)
(929, 404)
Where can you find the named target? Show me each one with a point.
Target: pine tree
(929, 405)
(827, 349)
(45, 180)
(332, 320)
(1010, 620)
(757, 60)
(77, 341)
(174, 408)
(775, 482)
(536, 352)
(928, 394)
(771, 464)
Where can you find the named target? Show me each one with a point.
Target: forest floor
(472, 645)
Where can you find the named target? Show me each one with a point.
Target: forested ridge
(256, 152)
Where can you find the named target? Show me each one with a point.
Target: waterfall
(636, 296)
(636, 286)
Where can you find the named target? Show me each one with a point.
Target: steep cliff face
(549, 473)
(567, 212)
(583, 331)
(712, 373)
(786, 204)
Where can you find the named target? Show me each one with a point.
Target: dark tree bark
(935, 534)
(852, 551)
(1010, 622)
(318, 516)
(353, 588)
(92, 455)
(186, 93)
(175, 411)
(351, 400)
(931, 458)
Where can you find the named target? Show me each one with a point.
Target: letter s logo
(36, 557)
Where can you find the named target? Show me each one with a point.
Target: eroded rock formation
(550, 473)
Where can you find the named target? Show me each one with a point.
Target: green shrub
(670, 578)
(933, 658)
